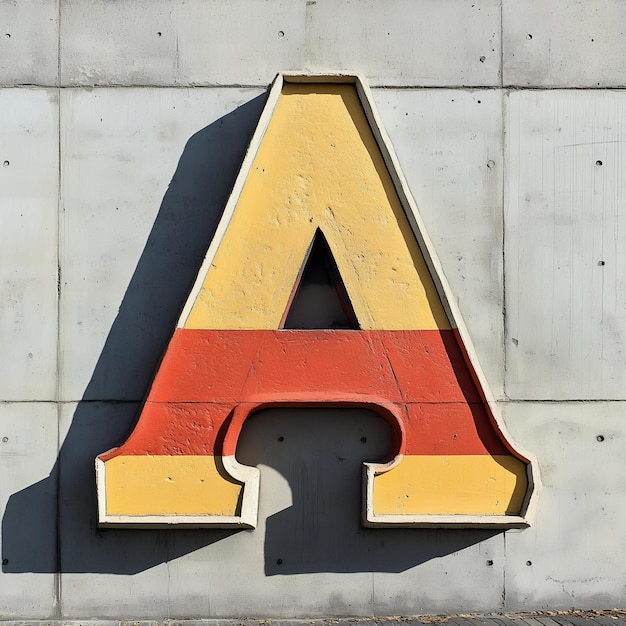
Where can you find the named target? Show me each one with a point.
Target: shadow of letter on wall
(174, 250)
(51, 526)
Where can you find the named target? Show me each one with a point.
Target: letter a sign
(320, 207)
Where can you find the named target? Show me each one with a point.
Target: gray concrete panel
(145, 172)
(100, 576)
(29, 42)
(571, 556)
(309, 542)
(146, 175)
(464, 571)
(246, 42)
(450, 147)
(28, 243)
(404, 43)
(28, 448)
(308, 556)
(565, 239)
(241, 42)
(227, 573)
(563, 43)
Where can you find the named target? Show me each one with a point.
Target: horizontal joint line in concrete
(264, 86)
(132, 86)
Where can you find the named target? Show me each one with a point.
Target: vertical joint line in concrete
(505, 333)
(501, 43)
(59, 42)
(169, 586)
(504, 571)
(58, 611)
(503, 201)
(373, 596)
(58, 216)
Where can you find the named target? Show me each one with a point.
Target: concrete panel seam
(58, 603)
(501, 43)
(504, 186)
(503, 603)
(373, 86)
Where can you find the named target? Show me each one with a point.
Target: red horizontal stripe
(235, 365)
(421, 375)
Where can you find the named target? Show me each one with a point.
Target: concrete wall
(122, 125)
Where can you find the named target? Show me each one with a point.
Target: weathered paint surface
(452, 485)
(292, 190)
(229, 356)
(170, 485)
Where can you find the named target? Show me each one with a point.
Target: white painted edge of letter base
(248, 476)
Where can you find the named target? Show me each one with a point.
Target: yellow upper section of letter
(318, 166)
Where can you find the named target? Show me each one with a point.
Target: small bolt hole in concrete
(6, 164)
(363, 439)
(529, 36)
(281, 34)
(159, 34)
(529, 563)
(5, 439)
(601, 263)
(279, 561)
(5, 561)
(281, 439)
(491, 164)
(598, 163)
(489, 562)
(482, 59)
(600, 438)
(7, 36)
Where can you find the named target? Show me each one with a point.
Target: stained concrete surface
(565, 233)
(29, 162)
(564, 44)
(574, 541)
(29, 42)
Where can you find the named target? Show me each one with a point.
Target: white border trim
(456, 320)
(247, 518)
(371, 520)
(240, 181)
(249, 476)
